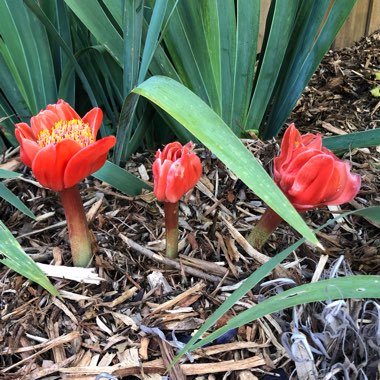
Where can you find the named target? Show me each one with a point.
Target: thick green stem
(264, 228)
(171, 224)
(79, 234)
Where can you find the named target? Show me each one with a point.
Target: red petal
(348, 187)
(183, 176)
(63, 110)
(196, 165)
(50, 163)
(44, 120)
(311, 181)
(28, 151)
(336, 183)
(291, 140)
(176, 185)
(312, 141)
(189, 146)
(287, 173)
(24, 131)
(94, 119)
(160, 173)
(87, 161)
(170, 151)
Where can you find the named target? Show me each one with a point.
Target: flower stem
(171, 224)
(79, 234)
(264, 228)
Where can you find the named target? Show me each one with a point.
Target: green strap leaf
(7, 174)
(133, 29)
(187, 49)
(304, 65)
(13, 256)
(96, 20)
(273, 52)
(72, 62)
(24, 35)
(342, 144)
(372, 213)
(151, 40)
(6, 194)
(247, 31)
(360, 286)
(120, 179)
(209, 128)
(133, 18)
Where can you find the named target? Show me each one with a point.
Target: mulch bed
(97, 328)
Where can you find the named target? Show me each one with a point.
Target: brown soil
(96, 328)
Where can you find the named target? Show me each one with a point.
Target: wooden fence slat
(355, 26)
(264, 10)
(363, 21)
(374, 17)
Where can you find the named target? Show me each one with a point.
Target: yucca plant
(211, 46)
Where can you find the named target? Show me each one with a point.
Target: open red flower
(176, 170)
(311, 175)
(61, 147)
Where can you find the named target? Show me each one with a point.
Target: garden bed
(97, 328)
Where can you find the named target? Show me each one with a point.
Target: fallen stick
(158, 366)
(172, 263)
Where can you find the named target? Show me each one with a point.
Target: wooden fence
(362, 21)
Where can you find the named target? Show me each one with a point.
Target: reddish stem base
(79, 234)
(171, 225)
(264, 228)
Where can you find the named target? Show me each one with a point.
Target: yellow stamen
(73, 130)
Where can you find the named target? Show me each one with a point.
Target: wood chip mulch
(113, 323)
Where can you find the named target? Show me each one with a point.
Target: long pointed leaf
(303, 68)
(342, 144)
(120, 179)
(13, 256)
(133, 19)
(183, 50)
(151, 39)
(359, 286)
(284, 13)
(248, 13)
(210, 129)
(93, 16)
(25, 36)
(227, 25)
(58, 14)
(6, 194)
(72, 63)
(370, 212)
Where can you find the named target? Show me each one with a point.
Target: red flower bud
(176, 170)
(311, 175)
(61, 147)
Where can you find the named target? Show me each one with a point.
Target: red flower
(176, 170)
(311, 175)
(61, 147)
